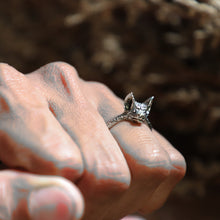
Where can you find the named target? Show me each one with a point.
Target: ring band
(133, 111)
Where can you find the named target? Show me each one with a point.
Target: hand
(53, 123)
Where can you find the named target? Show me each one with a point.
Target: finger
(33, 197)
(106, 174)
(149, 163)
(30, 136)
(177, 159)
(175, 162)
(177, 173)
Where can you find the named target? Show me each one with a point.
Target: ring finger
(149, 162)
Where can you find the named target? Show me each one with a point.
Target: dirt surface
(169, 49)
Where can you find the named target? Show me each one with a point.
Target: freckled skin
(53, 136)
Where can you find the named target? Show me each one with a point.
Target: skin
(62, 162)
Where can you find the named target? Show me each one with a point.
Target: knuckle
(178, 162)
(179, 171)
(59, 69)
(106, 102)
(8, 74)
(155, 160)
(159, 165)
(160, 173)
(105, 91)
(15, 102)
(4, 67)
(150, 153)
(5, 101)
(109, 175)
(101, 87)
(62, 67)
(158, 158)
(106, 185)
(62, 77)
(116, 176)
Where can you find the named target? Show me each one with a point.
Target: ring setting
(134, 111)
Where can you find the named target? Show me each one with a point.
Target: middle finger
(106, 174)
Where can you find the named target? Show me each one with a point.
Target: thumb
(33, 197)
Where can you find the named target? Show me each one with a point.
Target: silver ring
(133, 111)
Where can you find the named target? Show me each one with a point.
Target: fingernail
(50, 203)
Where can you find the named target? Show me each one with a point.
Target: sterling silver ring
(133, 111)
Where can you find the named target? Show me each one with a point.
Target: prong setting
(129, 101)
(134, 111)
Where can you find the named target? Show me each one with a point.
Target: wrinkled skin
(71, 166)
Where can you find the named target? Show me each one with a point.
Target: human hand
(53, 123)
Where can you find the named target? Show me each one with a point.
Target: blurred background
(166, 48)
